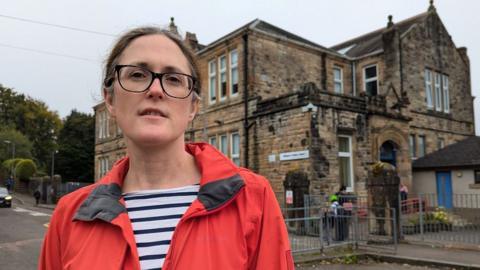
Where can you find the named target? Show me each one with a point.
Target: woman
(166, 205)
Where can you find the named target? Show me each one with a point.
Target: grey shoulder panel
(102, 203)
(214, 194)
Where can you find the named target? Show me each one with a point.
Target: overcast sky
(63, 67)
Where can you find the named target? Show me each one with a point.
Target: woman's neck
(159, 167)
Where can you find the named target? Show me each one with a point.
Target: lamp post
(52, 173)
(12, 169)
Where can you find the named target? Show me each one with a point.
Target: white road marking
(31, 212)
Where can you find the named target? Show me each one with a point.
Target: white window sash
(213, 141)
(366, 81)
(338, 81)
(212, 86)
(428, 88)
(446, 94)
(233, 70)
(350, 186)
(222, 73)
(223, 147)
(235, 156)
(438, 92)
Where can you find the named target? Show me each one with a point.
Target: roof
(372, 42)
(465, 153)
(269, 29)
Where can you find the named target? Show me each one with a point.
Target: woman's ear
(108, 96)
(194, 109)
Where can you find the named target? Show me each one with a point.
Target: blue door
(444, 189)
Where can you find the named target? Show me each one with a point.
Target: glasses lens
(135, 79)
(177, 85)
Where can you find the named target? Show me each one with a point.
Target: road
(21, 234)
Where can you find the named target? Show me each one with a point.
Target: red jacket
(235, 223)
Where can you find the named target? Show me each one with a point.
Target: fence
(455, 219)
(316, 228)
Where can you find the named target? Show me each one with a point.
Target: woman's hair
(127, 38)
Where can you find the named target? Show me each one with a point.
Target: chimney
(172, 27)
(463, 54)
(390, 21)
(191, 41)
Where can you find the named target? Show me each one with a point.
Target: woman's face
(152, 118)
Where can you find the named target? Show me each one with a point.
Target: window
(440, 144)
(102, 124)
(438, 92)
(212, 81)
(421, 146)
(103, 166)
(345, 161)
(223, 144)
(477, 176)
(233, 73)
(223, 77)
(428, 88)
(446, 94)
(338, 80)
(371, 80)
(413, 146)
(235, 148)
(213, 141)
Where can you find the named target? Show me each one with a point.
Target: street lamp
(51, 181)
(12, 170)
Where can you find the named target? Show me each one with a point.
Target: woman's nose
(155, 89)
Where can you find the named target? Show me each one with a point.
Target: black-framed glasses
(139, 79)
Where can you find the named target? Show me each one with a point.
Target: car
(5, 197)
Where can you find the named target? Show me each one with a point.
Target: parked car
(5, 198)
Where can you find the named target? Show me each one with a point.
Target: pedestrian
(37, 194)
(9, 183)
(337, 214)
(404, 196)
(166, 205)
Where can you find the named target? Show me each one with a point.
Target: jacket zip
(196, 214)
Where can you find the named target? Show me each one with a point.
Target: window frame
(212, 74)
(438, 92)
(429, 88)
(476, 177)
(440, 143)
(338, 81)
(446, 93)
(365, 80)
(234, 156)
(212, 140)
(220, 144)
(412, 145)
(222, 71)
(231, 72)
(349, 155)
(422, 145)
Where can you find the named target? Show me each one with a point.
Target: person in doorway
(37, 194)
(166, 205)
(403, 196)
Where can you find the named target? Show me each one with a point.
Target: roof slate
(372, 42)
(465, 153)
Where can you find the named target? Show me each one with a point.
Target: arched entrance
(388, 152)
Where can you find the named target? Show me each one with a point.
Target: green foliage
(23, 146)
(25, 169)
(76, 142)
(33, 119)
(10, 164)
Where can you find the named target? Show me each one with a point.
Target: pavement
(29, 200)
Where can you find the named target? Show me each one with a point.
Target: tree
(25, 169)
(33, 119)
(76, 143)
(23, 146)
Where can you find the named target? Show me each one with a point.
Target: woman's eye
(173, 78)
(137, 75)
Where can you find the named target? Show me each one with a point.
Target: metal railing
(315, 228)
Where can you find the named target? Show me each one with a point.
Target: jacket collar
(219, 184)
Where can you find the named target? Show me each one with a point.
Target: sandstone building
(277, 103)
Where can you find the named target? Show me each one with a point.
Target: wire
(56, 25)
(49, 53)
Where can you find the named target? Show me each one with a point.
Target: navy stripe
(161, 195)
(140, 208)
(167, 229)
(156, 243)
(152, 257)
(154, 268)
(133, 220)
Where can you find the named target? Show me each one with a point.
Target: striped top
(154, 215)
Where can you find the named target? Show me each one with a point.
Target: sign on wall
(294, 155)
